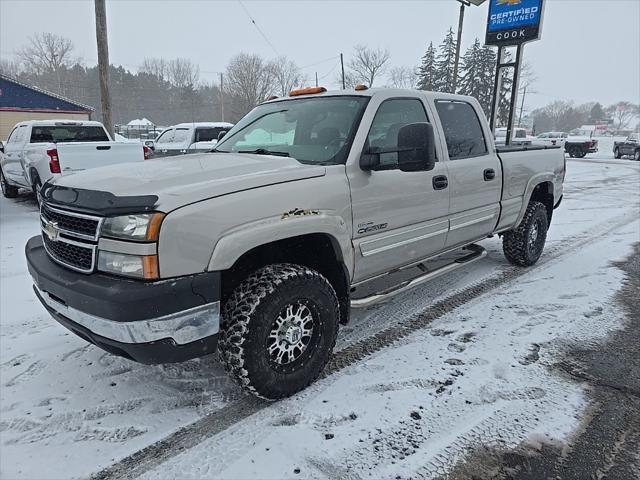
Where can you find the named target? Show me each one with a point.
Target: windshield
(68, 133)
(311, 130)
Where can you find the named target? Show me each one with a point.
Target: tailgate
(75, 157)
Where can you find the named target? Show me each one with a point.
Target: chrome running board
(477, 252)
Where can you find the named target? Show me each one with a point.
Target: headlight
(141, 227)
(137, 266)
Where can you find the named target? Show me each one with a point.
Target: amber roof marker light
(307, 91)
(360, 87)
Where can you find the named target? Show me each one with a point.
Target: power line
(258, 28)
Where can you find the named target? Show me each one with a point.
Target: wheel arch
(540, 189)
(318, 251)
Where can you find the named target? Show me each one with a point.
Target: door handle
(489, 174)
(440, 182)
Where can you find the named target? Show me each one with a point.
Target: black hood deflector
(95, 202)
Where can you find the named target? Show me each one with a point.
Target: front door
(475, 174)
(398, 217)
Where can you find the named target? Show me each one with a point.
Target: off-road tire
(249, 314)
(516, 244)
(636, 156)
(8, 191)
(616, 153)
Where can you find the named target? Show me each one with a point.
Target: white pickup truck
(260, 248)
(39, 150)
(189, 138)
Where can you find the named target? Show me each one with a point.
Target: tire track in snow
(216, 422)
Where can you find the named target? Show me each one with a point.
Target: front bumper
(149, 322)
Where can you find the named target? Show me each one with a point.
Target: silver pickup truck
(260, 248)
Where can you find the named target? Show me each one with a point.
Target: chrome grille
(74, 224)
(70, 238)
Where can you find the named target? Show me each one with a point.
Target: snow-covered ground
(477, 373)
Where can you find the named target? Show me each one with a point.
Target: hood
(181, 180)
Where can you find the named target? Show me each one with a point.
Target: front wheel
(8, 191)
(616, 153)
(523, 245)
(636, 156)
(278, 329)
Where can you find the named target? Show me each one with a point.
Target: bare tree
(154, 66)
(183, 73)
(622, 113)
(10, 68)
(403, 77)
(366, 65)
(46, 53)
(556, 110)
(286, 75)
(249, 81)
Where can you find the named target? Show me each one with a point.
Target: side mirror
(416, 147)
(222, 134)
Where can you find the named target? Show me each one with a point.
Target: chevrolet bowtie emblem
(51, 230)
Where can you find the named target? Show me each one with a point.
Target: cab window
(391, 116)
(462, 129)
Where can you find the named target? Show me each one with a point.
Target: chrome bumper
(182, 327)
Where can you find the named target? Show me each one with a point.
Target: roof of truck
(370, 92)
(202, 124)
(65, 121)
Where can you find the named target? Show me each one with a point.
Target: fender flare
(531, 185)
(242, 239)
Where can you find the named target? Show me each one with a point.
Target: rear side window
(208, 134)
(462, 129)
(68, 133)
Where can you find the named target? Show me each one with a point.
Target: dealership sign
(513, 22)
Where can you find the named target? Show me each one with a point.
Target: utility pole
(103, 64)
(457, 62)
(221, 96)
(342, 65)
(316, 79)
(524, 94)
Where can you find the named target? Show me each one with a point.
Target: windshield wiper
(264, 151)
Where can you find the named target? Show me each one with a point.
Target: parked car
(39, 150)
(551, 139)
(630, 147)
(519, 137)
(260, 248)
(579, 143)
(189, 138)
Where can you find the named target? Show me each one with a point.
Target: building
(20, 102)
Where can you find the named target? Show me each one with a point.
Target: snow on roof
(140, 122)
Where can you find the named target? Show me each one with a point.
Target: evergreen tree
(476, 74)
(597, 114)
(445, 64)
(427, 70)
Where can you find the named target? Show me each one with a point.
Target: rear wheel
(8, 191)
(37, 186)
(278, 329)
(524, 245)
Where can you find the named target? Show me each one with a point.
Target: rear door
(14, 155)
(475, 172)
(398, 217)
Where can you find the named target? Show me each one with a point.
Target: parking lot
(417, 383)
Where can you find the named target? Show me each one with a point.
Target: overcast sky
(590, 49)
